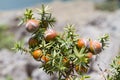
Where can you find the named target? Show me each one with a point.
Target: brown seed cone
(82, 43)
(95, 47)
(50, 34)
(32, 25)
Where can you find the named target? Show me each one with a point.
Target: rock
(17, 66)
(39, 74)
(11, 67)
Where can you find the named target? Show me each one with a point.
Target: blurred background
(92, 18)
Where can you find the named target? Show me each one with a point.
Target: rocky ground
(89, 23)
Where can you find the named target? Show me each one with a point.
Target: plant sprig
(59, 53)
(115, 70)
(104, 40)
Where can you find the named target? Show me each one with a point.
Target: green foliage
(115, 69)
(18, 46)
(104, 40)
(29, 79)
(46, 17)
(107, 6)
(9, 78)
(27, 15)
(6, 38)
